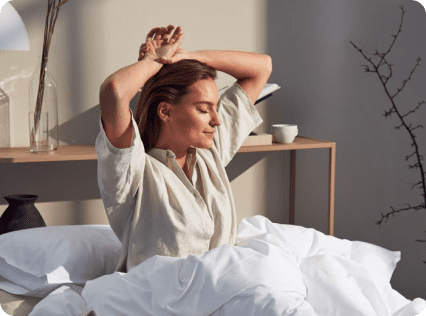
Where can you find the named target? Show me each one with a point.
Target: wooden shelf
(63, 153)
(87, 152)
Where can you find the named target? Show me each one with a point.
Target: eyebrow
(207, 102)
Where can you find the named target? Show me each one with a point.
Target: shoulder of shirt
(235, 90)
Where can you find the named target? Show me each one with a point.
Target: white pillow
(36, 261)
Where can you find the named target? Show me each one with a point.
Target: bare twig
(384, 79)
(422, 240)
(61, 3)
(386, 216)
(51, 17)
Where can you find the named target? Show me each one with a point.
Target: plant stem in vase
(44, 133)
(46, 101)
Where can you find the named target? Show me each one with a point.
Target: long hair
(169, 85)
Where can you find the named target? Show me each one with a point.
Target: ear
(163, 111)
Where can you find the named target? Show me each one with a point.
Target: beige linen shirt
(152, 206)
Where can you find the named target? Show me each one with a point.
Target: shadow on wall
(52, 182)
(84, 128)
(86, 123)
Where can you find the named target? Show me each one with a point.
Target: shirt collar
(164, 155)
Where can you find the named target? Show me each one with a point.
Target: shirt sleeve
(119, 176)
(239, 117)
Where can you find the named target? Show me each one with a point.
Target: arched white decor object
(13, 34)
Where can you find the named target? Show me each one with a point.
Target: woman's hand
(179, 55)
(160, 45)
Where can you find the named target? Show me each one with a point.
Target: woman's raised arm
(118, 89)
(251, 70)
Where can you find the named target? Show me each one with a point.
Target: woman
(162, 174)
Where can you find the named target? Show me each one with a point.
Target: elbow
(110, 89)
(268, 65)
(264, 67)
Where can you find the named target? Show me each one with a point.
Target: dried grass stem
(53, 7)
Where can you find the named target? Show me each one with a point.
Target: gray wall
(330, 97)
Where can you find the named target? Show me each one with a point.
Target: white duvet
(273, 270)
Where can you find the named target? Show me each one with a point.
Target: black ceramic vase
(20, 214)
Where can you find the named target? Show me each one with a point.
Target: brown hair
(169, 85)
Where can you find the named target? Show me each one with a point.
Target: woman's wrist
(129, 79)
(154, 60)
(198, 55)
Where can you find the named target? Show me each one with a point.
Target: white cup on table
(284, 133)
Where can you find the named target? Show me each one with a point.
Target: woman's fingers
(160, 33)
(169, 30)
(178, 40)
(146, 48)
(160, 42)
(143, 48)
(175, 35)
(163, 33)
(152, 33)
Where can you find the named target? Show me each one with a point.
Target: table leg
(292, 185)
(331, 190)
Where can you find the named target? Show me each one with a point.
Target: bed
(274, 269)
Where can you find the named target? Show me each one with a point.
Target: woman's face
(193, 121)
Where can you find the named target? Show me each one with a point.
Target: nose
(215, 119)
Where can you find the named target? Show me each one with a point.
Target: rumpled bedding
(274, 269)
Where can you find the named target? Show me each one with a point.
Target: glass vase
(43, 124)
(4, 120)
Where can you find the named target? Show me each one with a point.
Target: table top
(300, 142)
(87, 152)
(63, 153)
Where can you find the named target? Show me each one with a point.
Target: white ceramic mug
(284, 133)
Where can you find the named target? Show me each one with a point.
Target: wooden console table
(87, 152)
(301, 142)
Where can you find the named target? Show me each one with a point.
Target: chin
(205, 145)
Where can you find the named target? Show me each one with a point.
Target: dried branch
(409, 77)
(61, 3)
(386, 216)
(395, 36)
(384, 79)
(421, 240)
(51, 17)
(415, 109)
(415, 185)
